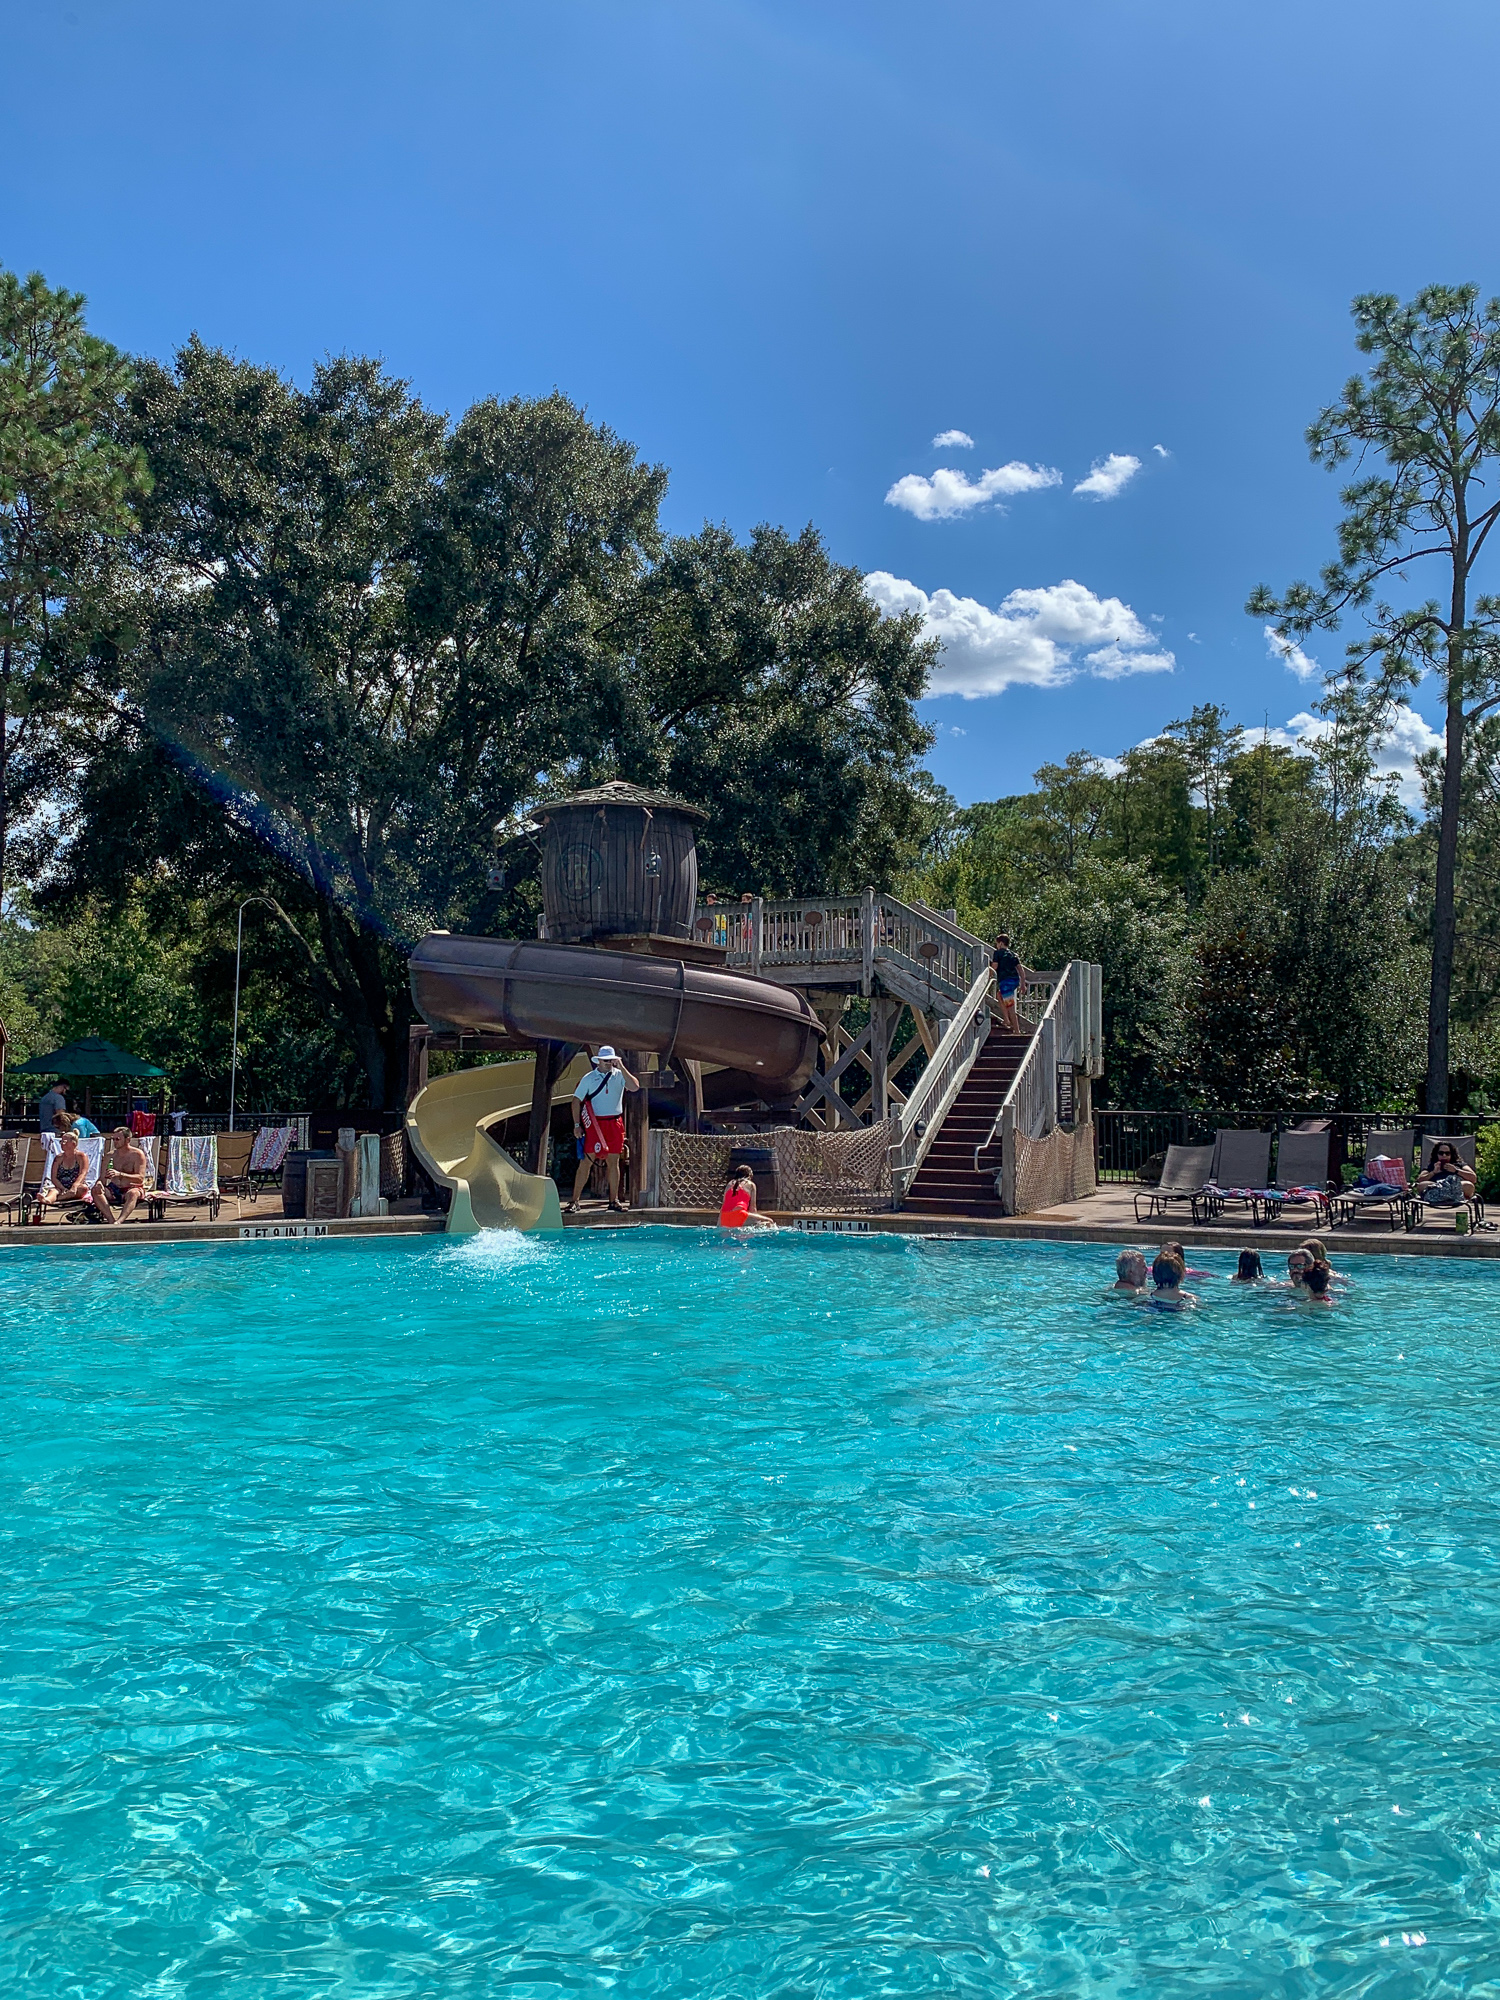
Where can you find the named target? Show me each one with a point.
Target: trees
(1426, 419)
(763, 684)
(344, 639)
(65, 480)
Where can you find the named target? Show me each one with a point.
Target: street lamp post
(239, 940)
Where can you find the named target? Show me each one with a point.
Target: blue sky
(782, 247)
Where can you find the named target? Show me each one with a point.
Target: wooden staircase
(946, 1183)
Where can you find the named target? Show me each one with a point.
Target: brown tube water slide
(542, 991)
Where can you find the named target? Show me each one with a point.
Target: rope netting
(1055, 1169)
(829, 1171)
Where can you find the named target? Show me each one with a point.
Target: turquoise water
(661, 1614)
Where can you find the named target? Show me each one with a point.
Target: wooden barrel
(618, 870)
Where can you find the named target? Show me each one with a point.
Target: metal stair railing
(937, 1090)
(1068, 1034)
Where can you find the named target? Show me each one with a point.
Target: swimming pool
(659, 1614)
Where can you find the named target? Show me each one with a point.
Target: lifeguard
(598, 1127)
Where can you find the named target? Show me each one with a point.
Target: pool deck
(1106, 1217)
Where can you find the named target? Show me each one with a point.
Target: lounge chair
(15, 1153)
(1183, 1178)
(234, 1162)
(1301, 1176)
(268, 1157)
(74, 1206)
(192, 1177)
(1466, 1147)
(1240, 1172)
(1391, 1199)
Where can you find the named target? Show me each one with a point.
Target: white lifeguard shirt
(605, 1103)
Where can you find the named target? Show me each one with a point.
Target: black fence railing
(1125, 1142)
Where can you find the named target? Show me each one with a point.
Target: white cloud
(1034, 639)
(1161, 451)
(953, 440)
(1408, 738)
(950, 493)
(1291, 656)
(1109, 476)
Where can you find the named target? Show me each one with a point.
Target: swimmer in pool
(1130, 1272)
(1315, 1285)
(1317, 1250)
(1167, 1274)
(1298, 1264)
(1249, 1272)
(1172, 1248)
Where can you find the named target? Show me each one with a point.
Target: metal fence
(1126, 1141)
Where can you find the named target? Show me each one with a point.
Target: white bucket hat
(606, 1054)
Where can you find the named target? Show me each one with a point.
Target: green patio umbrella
(93, 1056)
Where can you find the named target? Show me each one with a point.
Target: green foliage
(66, 478)
(342, 641)
(1487, 1162)
(1422, 429)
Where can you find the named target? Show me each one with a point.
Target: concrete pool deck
(1106, 1217)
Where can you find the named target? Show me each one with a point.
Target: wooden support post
(549, 1061)
(637, 1129)
(757, 933)
(884, 1015)
(418, 1036)
(692, 1078)
(867, 943)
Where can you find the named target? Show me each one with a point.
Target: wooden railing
(855, 931)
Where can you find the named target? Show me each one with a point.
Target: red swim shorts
(606, 1137)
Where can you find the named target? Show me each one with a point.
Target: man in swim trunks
(123, 1179)
(598, 1123)
(1009, 972)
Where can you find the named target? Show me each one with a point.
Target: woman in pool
(1167, 1274)
(738, 1210)
(1130, 1272)
(1249, 1272)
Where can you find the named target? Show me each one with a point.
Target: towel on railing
(143, 1124)
(272, 1144)
(193, 1165)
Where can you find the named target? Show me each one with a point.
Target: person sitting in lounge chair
(66, 1176)
(123, 1181)
(1434, 1183)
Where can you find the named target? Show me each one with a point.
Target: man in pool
(598, 1123)
(1130, 1272)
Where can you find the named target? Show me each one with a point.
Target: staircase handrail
(937, 1089)
(1065, 1034)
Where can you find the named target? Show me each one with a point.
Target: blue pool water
(660, 1614)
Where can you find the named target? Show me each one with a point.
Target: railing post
(1008, 1159)
(1049, 1071)
(757, 932)
(867, 943)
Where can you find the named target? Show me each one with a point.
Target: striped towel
(193, 1165)
(272, 1144)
